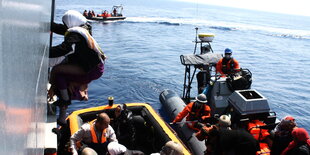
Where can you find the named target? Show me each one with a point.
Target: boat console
(249, 102)
(247, 105)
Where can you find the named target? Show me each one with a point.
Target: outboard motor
(203, 80)
(240, 82)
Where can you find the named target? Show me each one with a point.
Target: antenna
(196, 28)
(196, 39)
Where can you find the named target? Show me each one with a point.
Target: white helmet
(172, 148)
(224, 121)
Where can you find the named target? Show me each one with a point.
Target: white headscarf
(73, 18)
(114, 148)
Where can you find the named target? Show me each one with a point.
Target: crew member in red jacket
(195, 111)
(227, 65)
(300, 144)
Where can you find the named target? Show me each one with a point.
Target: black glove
(199, 125)
(204, 132)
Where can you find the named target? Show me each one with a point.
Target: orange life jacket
(227, 67)
(258, 133)
(94, 136)
(264, 149)
(203, 133)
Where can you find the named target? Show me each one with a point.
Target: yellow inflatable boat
(148, 118)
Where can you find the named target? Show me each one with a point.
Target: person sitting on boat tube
(97, 136)
(227, 65)
(88, 133)
(85, 64)
(194, 112)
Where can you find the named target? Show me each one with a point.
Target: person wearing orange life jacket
(95, 136)
(227, 65)
(195, 111)
(104, 14)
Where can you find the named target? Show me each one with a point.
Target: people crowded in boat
(89, 14)
(287, 139)
(105, 13)
(83, 63)
(198, 111)
(227, 65)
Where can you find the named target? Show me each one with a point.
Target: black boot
(61, 102)
(62, 115)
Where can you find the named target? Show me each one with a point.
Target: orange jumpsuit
(192, 114)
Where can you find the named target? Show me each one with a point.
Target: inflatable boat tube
(173, 104)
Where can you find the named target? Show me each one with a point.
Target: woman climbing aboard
(84, 64)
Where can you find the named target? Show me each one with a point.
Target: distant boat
(116, 14)
(107, 18)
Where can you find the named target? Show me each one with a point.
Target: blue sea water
(143, 51)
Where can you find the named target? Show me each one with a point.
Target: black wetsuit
(124, 129)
